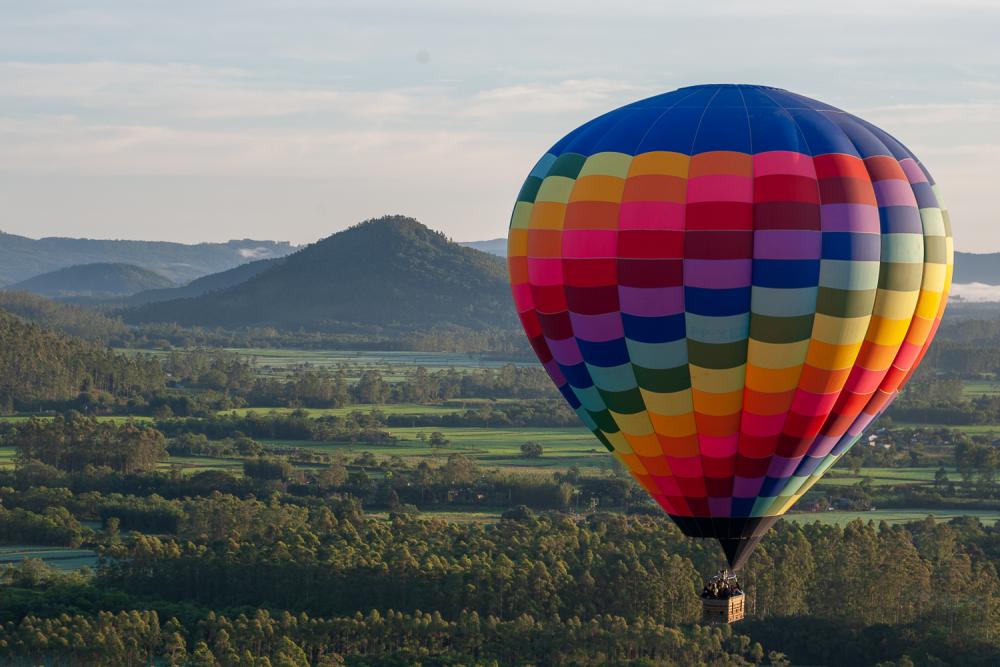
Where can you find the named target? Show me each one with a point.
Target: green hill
(66, 318)
(96, 281)
(22, 257)
(392, 273)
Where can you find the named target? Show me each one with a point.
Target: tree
(202, 656)
(459, 469)
(531, 450)
(437, 440)
(268, 469)
(334, 475)
(518, 513)
(940, 479)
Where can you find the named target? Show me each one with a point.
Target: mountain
(973, 267)
(390, 273)
(22, 257)
(205, 284)
(496, 247)
(96, 281)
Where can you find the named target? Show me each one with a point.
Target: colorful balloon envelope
(728, 283)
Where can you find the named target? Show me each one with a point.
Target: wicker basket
(729, 610)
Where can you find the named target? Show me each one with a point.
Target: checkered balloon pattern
(728, 283)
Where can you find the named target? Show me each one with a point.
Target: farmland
(60, 558)
(393, 365)
(491, 448)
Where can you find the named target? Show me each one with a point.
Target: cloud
(975, 293)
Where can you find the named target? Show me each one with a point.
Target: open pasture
(840, 476)
(61, 558)
(974, 388)
(490, 447)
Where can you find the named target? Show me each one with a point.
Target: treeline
(938, 399)
(356, 426)
(237, 376)
(331, 389)
(504, 343)
(364, 426)
(51, 526)
(73, 442)
(538, 413)
(369, 639)
(43, 368)
(94, 325)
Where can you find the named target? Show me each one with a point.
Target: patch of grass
(972, 388)
(61, 558)
(492, 448)
(885, 476)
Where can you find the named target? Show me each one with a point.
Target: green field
(394, 365)
(971, 429)
(885, 476)
(490, 447)
(971, 388)
(387, 409)
(988, 517)
(61, 558)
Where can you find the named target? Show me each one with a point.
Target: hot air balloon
(728, 283)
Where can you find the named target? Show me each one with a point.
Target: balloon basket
(729, 610)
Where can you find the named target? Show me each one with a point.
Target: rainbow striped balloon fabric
(728, 283)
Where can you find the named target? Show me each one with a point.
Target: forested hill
(99, 280)
(22, 257)
(205, 284)
(63, 317)
(390, 273)
(39, 367)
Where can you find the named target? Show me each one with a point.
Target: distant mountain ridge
(22, 257)
(496, 247)
(99, 280)
(392, 273)
(205, 284)
(970, 267)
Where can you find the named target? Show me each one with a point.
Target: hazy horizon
(293, 120)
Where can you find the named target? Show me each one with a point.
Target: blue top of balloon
(730, 117)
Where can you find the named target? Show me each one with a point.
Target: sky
(210, 120)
